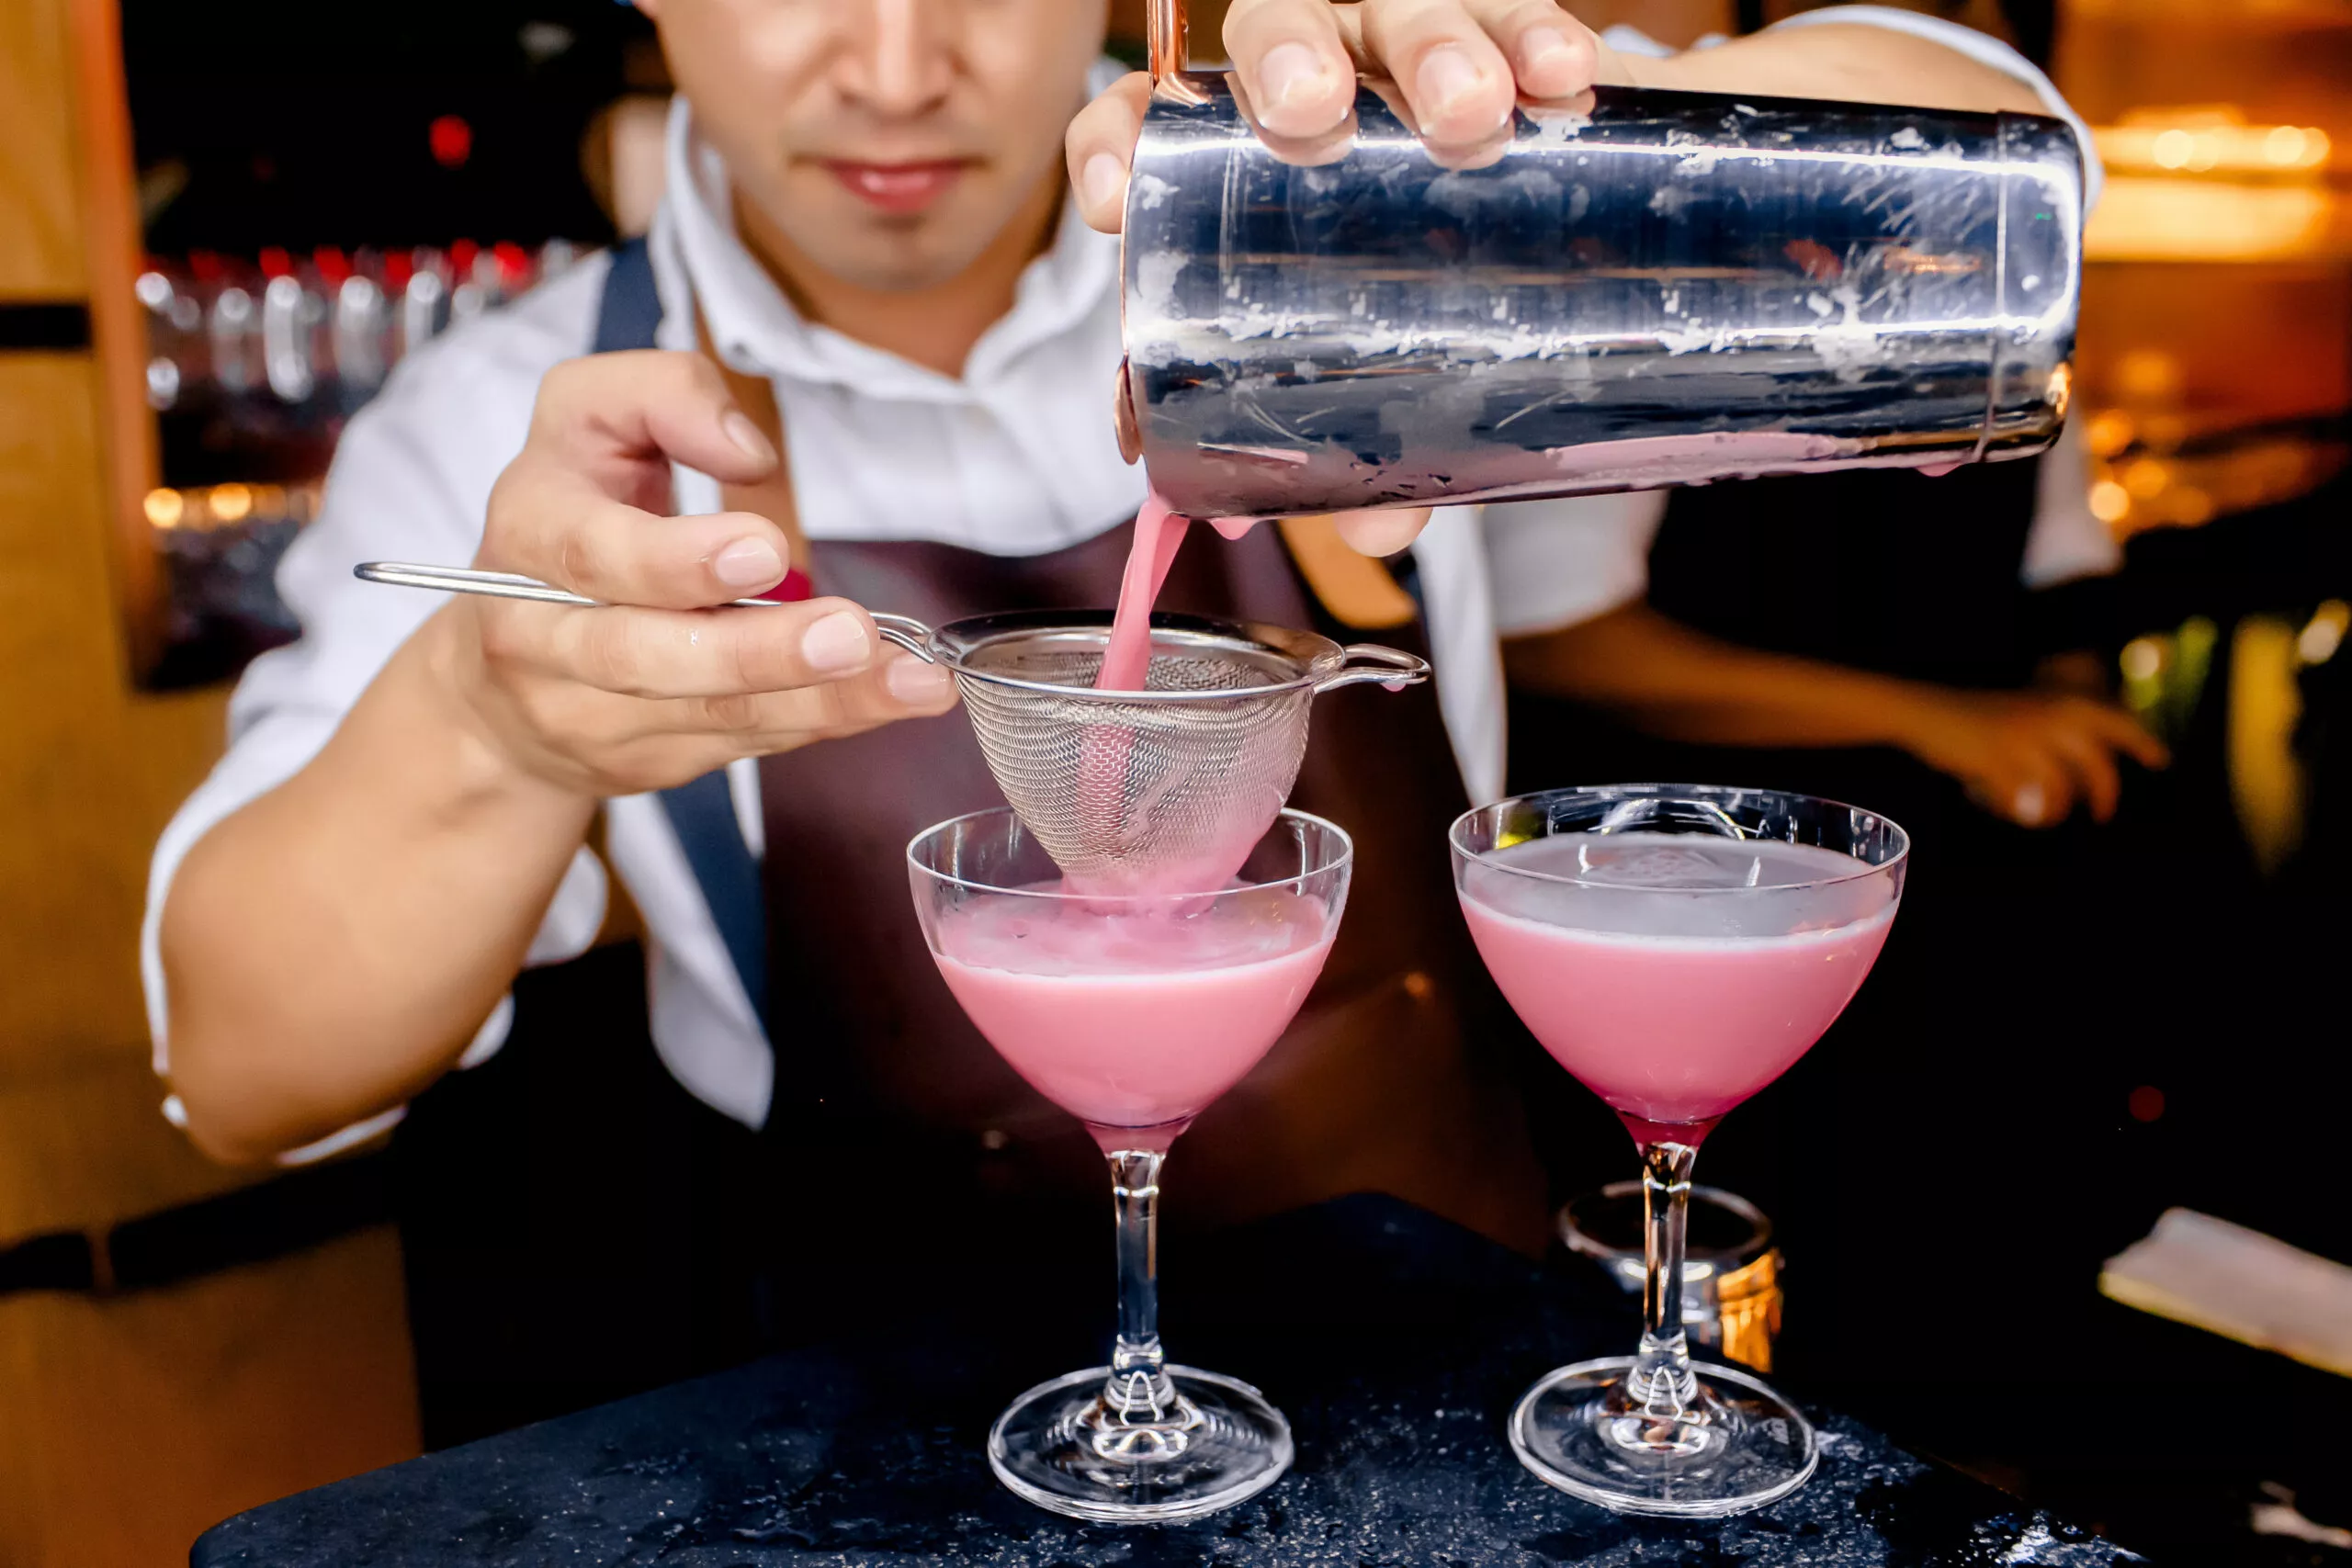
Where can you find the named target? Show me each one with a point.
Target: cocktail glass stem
(1661, 1382)
(1139, 1391)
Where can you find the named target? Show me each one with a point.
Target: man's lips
(897, 187)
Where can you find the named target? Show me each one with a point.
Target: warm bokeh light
(2147, 479)
(2140, 659)
(2107, 433)
(2187, 507)
(2324, 634)
(2148, 373)
(2204, 142)
(165, 508)
(2110, 502)
(230, 503)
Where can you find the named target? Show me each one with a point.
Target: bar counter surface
(1396, 1342)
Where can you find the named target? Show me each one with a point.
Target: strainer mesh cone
(1165, 791)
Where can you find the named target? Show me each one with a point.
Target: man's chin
(895, 257)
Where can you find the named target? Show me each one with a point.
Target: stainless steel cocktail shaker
(1672, 289)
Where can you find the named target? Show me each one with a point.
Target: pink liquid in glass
(1680, 973)
(1134, 1017)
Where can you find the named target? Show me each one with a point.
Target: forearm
(1856, 63)
(330, 948)
(1675, 681)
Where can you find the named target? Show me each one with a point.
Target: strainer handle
(1361, 661)
(907, 632)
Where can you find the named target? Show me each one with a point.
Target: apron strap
(630, 314)
(702, 812)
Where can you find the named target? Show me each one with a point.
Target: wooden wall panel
(40, 231)
(129, 1424)
(89, 770)
(84, 1146)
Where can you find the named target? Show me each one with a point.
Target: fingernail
(915, 681)
(835, 644)
(744, 434)
(749, 562)
(1447, 77)
(1100, 181)
(1545, 52)
(2027, 804)
(1290, 71)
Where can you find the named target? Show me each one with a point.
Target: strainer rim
(1330, 653)
(1346, 858)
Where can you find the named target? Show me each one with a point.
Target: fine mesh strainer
(1165, 788)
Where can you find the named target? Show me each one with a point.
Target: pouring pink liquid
(1135, 1017)
(1106, 751)
(1159, 533)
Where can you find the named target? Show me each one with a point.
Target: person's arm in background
(2029, 756)
(1854, 61)
(330, 946)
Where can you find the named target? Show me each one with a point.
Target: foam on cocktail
(1133, 1015)
(1666, 998)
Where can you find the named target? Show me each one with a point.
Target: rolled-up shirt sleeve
(411, 480)
(1982, 48)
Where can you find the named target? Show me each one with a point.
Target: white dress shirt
(1015, 456)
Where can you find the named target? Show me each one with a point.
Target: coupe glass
(1132, 1012)
(1677, 947)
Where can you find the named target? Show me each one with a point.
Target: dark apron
(903, 1163)
(1386, 1082)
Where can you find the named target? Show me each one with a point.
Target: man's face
(887, 141)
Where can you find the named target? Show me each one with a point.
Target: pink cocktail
(1132, 1012)
(1133, 1015)
(1676, 948)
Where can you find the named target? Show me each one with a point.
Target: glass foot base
(1581, 1429)
(1197, 1443)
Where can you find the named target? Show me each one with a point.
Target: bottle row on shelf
(323, 329)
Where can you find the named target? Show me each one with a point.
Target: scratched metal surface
(1396, 1343)
(1674, 288)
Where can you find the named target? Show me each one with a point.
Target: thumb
(1382, 533)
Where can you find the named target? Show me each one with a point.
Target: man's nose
(902, 62)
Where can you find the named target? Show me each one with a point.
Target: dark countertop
(1396, 1343)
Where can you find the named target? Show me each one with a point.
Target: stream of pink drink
(1133, 1018)
(1669, 996)
(1126, 659)
(1107, 751)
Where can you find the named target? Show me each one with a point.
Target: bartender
(864, 356)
